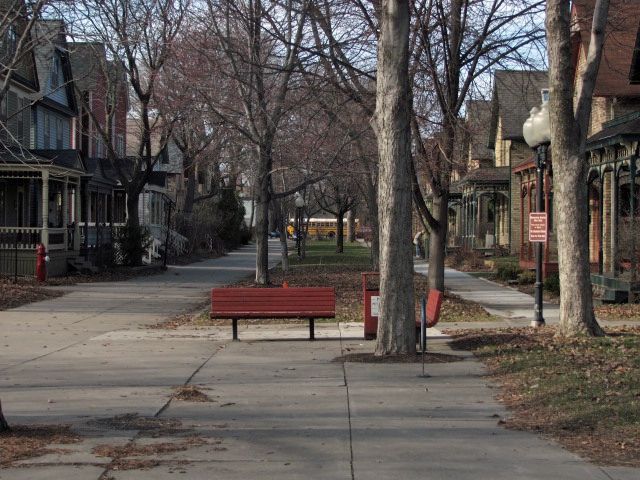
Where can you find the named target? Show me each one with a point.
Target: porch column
(547, 193)
(45, 209)
(632, 205)
(65, 211)
(601, 224)
(522, 214)
(76, 215)
(614, 222)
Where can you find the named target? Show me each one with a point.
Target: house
(484, 190)
(612, 151)
(159, 196)
(40, 173)
(103, 101)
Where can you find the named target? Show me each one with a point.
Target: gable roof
(515, 93)
(51, 41)
(89, 63)
(478, 121)
(86, 64)
(23, 69)
(617, 64)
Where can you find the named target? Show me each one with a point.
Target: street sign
(538, 227)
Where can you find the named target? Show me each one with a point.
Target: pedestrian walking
(418, 241)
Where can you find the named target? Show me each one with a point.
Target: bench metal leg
(311, 329)
(235, 328)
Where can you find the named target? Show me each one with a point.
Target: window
(3, 200)
(544, 93)
(54, 74)
(634, 74)
(121, 145)
(26, 122)
(99, 149)
(59, 134)
(12, 40)
(47, 131)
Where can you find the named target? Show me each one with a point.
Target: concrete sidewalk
(514, 307)
(279, 406)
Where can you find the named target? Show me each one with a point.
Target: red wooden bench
(273, 303)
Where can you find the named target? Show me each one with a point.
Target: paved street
(278, 407)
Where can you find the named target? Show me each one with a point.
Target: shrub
(552, 283)
(134, 242)
(508, 272)
(464, 256)
(527, 277)
(229, 213)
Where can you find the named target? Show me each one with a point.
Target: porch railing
(20, 238)
(28, 238)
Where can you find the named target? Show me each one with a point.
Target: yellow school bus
(320, 227)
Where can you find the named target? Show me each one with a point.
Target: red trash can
(371, 290)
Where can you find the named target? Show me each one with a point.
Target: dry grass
(584, 392)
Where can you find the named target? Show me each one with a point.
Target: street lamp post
(537, 134)
(299, 201)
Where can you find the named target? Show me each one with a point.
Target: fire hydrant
(41, 263)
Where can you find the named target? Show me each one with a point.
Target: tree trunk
(396, 319)
(340, 234)
(4, 425)
(190, 193)
(576, 300)
(133, 216)
(438, 241)
(262, 216)
(372, 218)
(351, 226)
(569, 126)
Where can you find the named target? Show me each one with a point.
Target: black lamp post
(299, 201)
(537, 134)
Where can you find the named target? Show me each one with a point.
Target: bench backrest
(434, 302)
(290, 302)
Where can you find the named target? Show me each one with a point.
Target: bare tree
(455, 45)
(391, 123)
(138, 38)
(569, 113)
(335, 195)
(345, 37)
(261, 44)
(18, 19)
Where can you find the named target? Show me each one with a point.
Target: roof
(15, 158)
(85, 64)
(617, 65)
(95, 168)
(515, 93)
(478, 120)
(51, 40)
(486, 175)
(63, 158)
(23, 67)
(621, 129)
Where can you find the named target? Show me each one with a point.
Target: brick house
(612, 151)
(103, 106)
